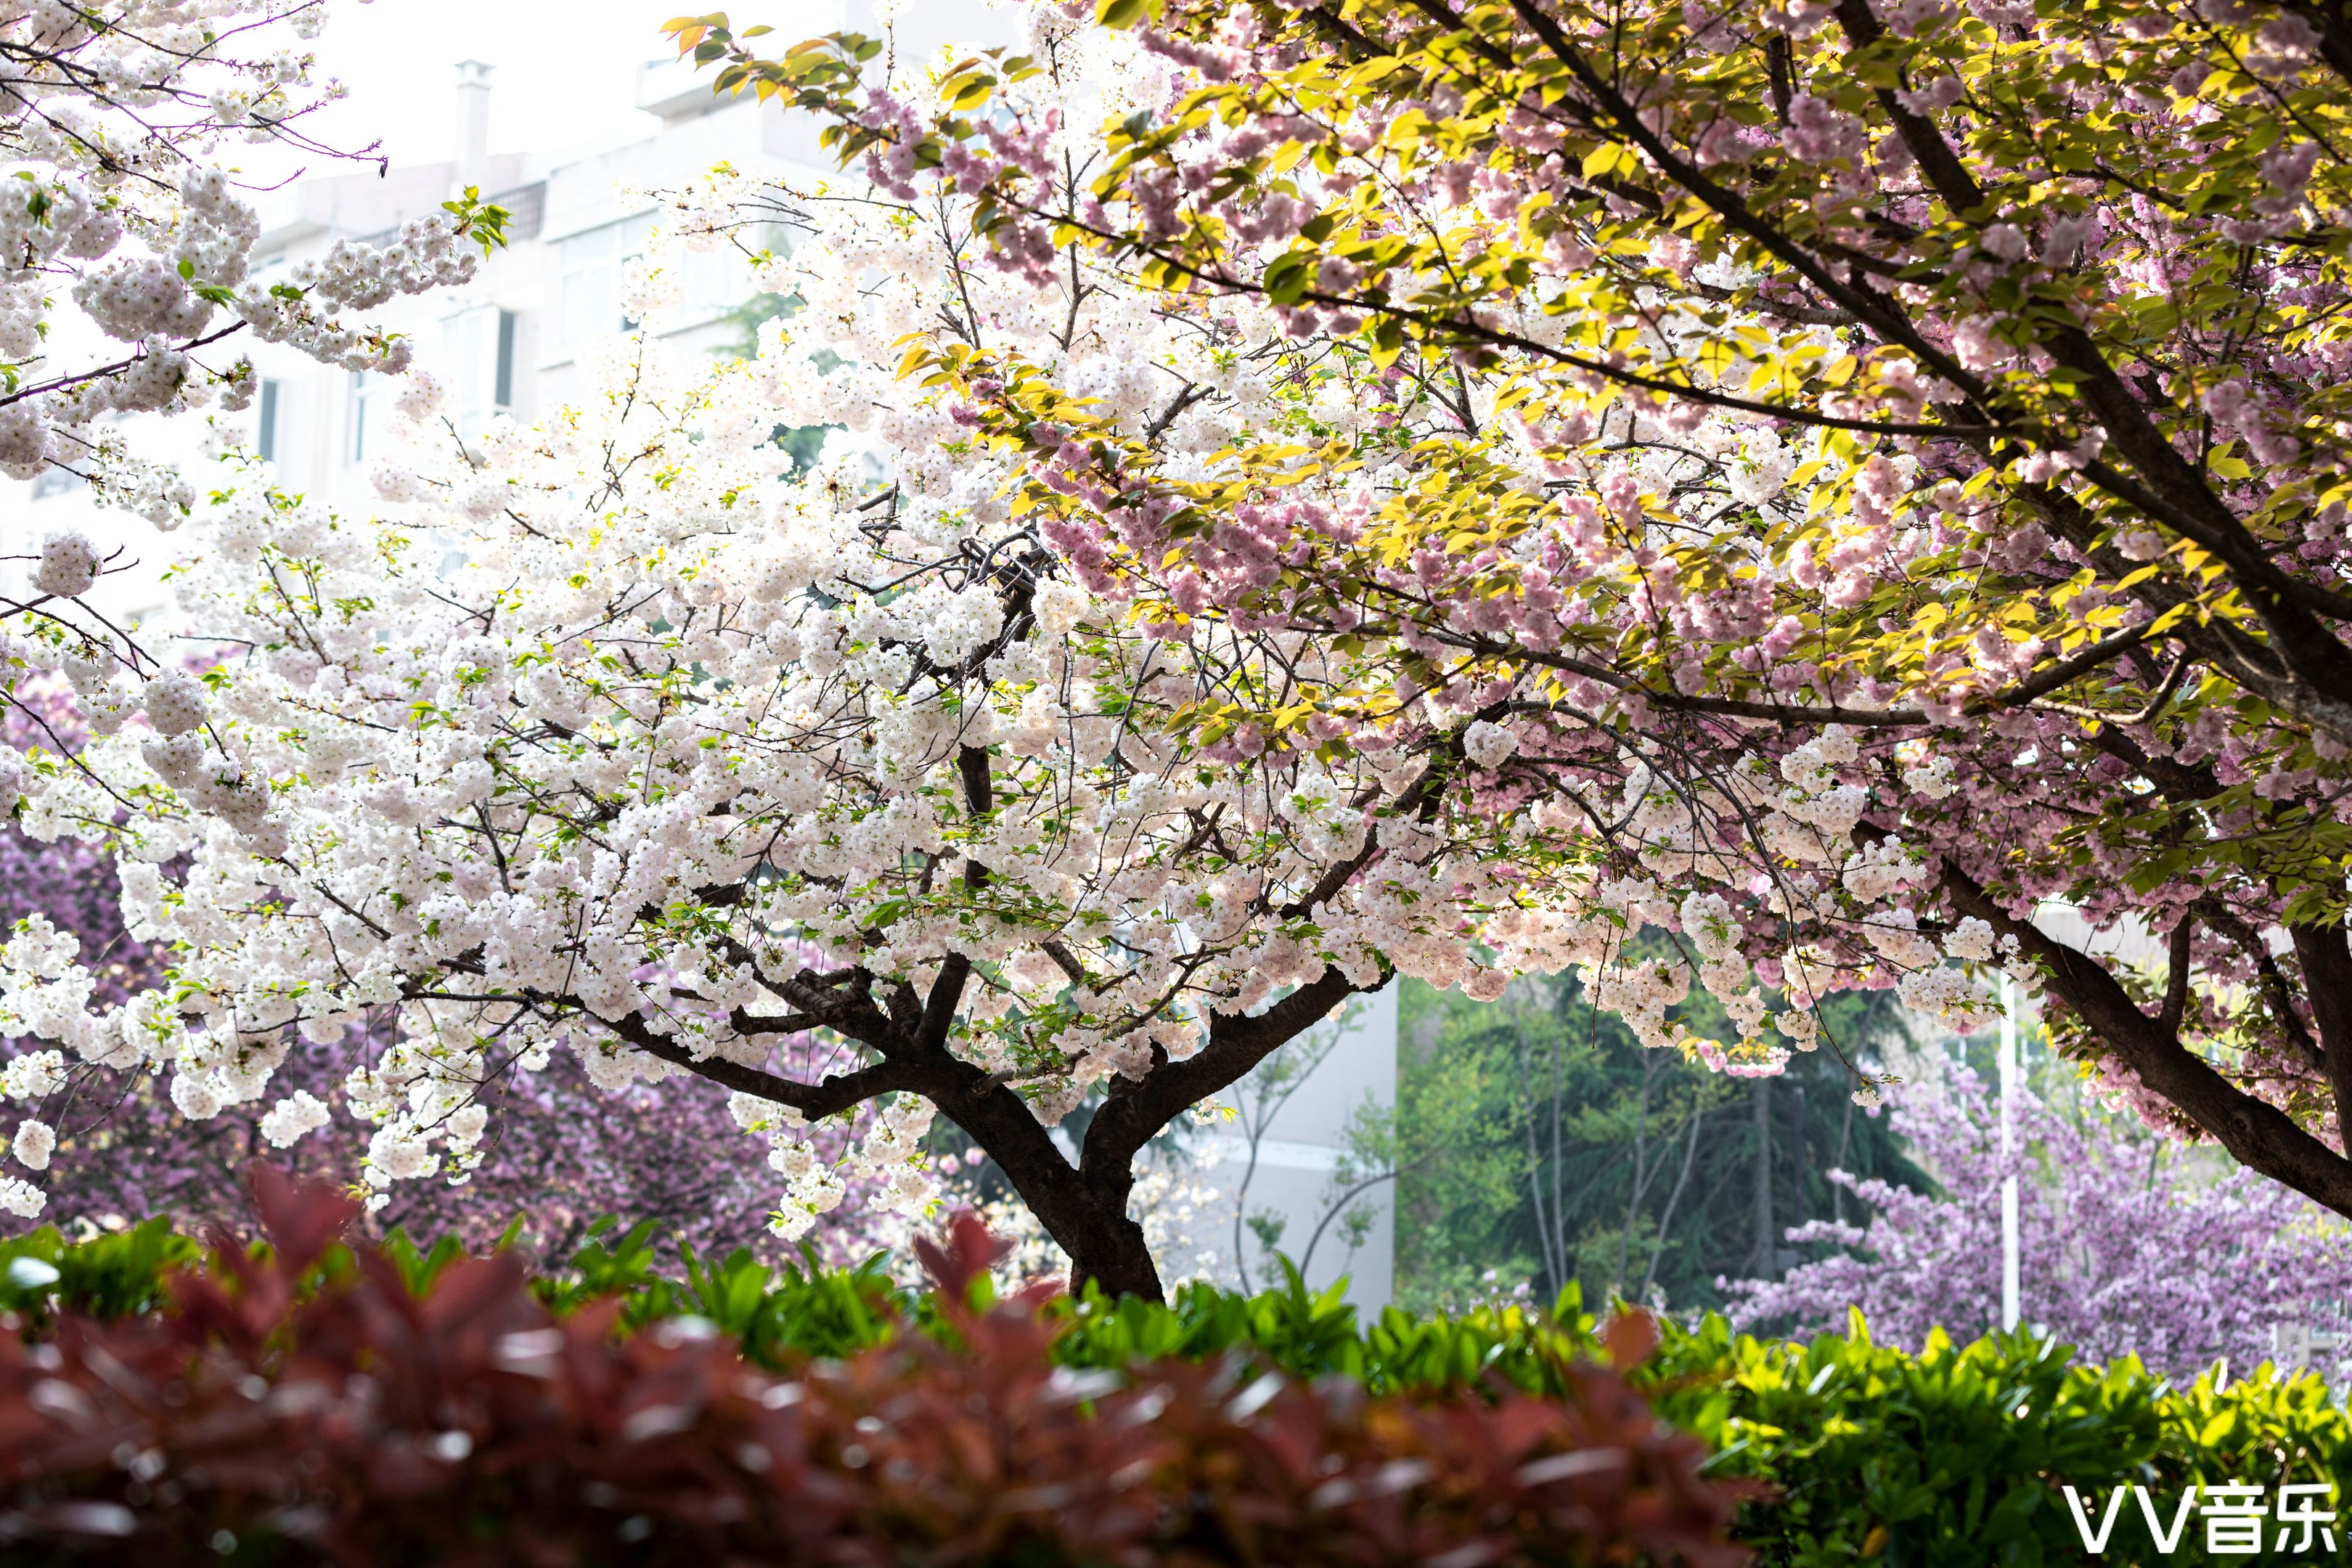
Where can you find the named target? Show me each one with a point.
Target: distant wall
(1297, 1164)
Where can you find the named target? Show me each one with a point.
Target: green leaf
(1288, 275)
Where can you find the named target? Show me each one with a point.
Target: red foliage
(368, 1426)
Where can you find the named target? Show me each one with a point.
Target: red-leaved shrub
(364, 1424)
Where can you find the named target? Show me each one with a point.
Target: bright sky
(565, 77)
(565, 82)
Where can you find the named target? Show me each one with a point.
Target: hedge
(779, 1318)
(315, 1402)
(1955, 1455)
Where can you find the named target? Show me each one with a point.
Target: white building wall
(1297, 1174)
(318, 410)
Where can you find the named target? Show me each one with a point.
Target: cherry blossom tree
(2124, 1252)
(658, 1152)
(1320, 495)
(689, 715)
(129, 283)
(1838, 476)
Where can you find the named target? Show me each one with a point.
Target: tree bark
(1760, 1094)
(1085, 1215)
(1117, 1259)
(1641, 1172)
(1798, 1211)
(2256, 1133)
(1674, 1200)
(2328, 986)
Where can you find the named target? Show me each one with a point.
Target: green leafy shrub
(311, 1403)
(1957, 1455)
(1873, 1455)
(109, 1276)
(1315, 1335)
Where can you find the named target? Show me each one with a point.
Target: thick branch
(2022, 694)
(940, 1007)
(828, 1097)
(2175, 980)
(2327, 988)
(1092, 1225)
(2257, 1133)
(1137, 1109)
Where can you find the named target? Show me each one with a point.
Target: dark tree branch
(2327, 988)
(2175, 980)
(1087, 1219)
(828, 1097)
(2257, 1133)
(1137, 1109)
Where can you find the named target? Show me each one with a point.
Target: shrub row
(1955, 1455)
(779, 1318)
(322, 1403)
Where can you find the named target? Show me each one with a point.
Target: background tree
(1633, 1172)
(2127, 1248)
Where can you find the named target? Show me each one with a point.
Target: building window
(589, 268)
(265, 433)
(477, 350)
(369, 392)
(56, 481)
(719, 279)
(588, 279)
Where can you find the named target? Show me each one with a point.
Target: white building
(507, 341)
(1307, 1178)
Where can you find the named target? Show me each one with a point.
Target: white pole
(2009, 1282)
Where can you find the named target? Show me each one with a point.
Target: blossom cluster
(2125, 1247)
(670, 1155)
(130, 273)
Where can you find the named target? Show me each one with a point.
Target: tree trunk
(1667, 1220)
(1086, 1218)
(1798, 1211)
(1640, 1172)
(1084, 1206)
(1084, 1210)
(1113, 1254)
(1846, 1136)
(1759, 1095)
